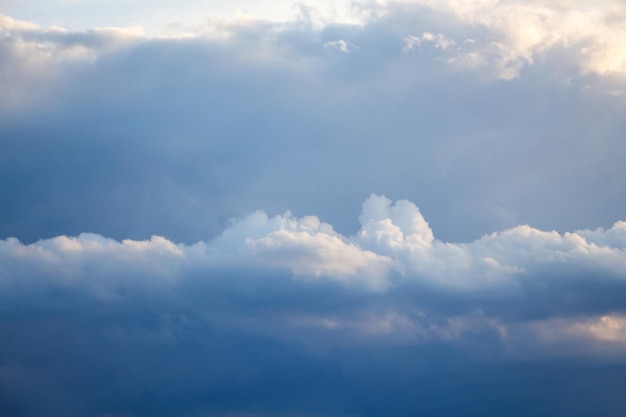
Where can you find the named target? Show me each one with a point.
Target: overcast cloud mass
(322, 209)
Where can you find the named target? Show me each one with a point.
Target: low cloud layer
(295, 288)
(519, 275)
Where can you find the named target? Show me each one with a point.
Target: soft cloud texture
(523, 32)
(141, 135)
(295, 287)
(394, 251)
(139, 139)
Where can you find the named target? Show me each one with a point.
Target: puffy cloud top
(277, 295)
(393, 251)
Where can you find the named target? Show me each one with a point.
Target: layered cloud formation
(242, 115)
(500, 277)
(503, 36)
(137, 140)
(294, 285)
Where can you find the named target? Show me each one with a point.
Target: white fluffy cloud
(306, 246)
(392, 237)
(394, 252)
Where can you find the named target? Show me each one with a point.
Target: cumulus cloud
(394, 251)
(302, 293)
(305, 246)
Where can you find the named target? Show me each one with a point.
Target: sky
(312, 209)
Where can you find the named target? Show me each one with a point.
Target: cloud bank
(297, 288)
(137, 139)
(394, 252)
(164, 129)
(499, 37)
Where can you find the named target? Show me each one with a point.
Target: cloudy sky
(312, 209)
